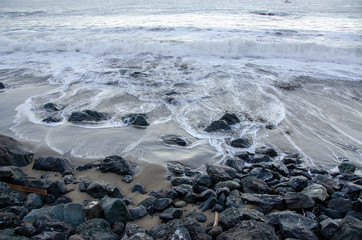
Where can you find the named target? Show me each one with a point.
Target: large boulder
(96, 228)
(9, 173)
(220, 173)
(13, 153)
(34, 201)
(230, 118)
(298, 200)
(341, 205)
(74, 213)
(115, 210)
(249, 230)
(232, 216)
(117, 164)
(54, 164)
(251, 184)
(350, 229)
(87, 116)
(316, 191)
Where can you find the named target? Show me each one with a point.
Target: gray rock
(10, 173)
(208, 204)
(138, 212)
(148, 202)
(298, 183)
(127, 179)
(175, 168)
(328, 227)
(19, 211)
(218, 126)
(13, 153)
(9, 234)
(232, 216)
(241, 142)
(251, 184)
(316, 191)
(137, 119)
(204, 180)
(117, 164)
(33, 201)
(194, 228)
(266, 151)
(265, 202)
(96, 229)
(54, 164)
(341, 205)
(350, 229)
(9, 220)
(93, 211)
(9, 197)
(87, 116)
(179, 204)
(176, 181)
(74, 213)
(327, 182)
(160, 205)
(68, 179)
(139, 188)
(207, 194)
(220, 173)
(249, 230)
(346, 167)
(351, 188)
(298, 200)
(238, 165)
(229, 184)
(198, 216)
(170, 214)
(101, 189)
(115, 210)
(181, 233)
(215, 231)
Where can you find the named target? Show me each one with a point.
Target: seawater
(123, 57)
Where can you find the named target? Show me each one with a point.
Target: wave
(21, 13)
(228, 47)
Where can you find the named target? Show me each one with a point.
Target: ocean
(291, 72)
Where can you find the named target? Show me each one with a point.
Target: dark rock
(2, 85)
(194, 228)
(341, 205)
(51, 119)
(74, 213)
(328, 227)
(316, 192)
(9, 197)
(281, 168)
(68, 179)
(232, 201)
(174, 140)
(318, 171)
(199, 188)
(17, 210)
(249, 230)
(292, 159)
(54, 164)
(132, 229)
(207, 194)
(204, 180)
(350, 229)
(241, 143)
(136, 120)
(298, 183)
(159, 232)
(181, 233)
(127, 179)
(52, 107)
(50, 235)
(266, 151)
(230, 118)
(265, 202)
(138, 212)
(87, 116)
(114, 210)
(96, 229)
(148, 202)
(26, 230)
(183, 189)
(218, 208)
(298, 201)
(10, 173)
(57, 188)
(160, 205)
(251, 184)
(139, 188)
(13, 153)
(334, 214)
(258, 159)
(84, 167)
(232, 216)
(9, 220)
(346, 168)
(62, 199)
(238, 165)
(220, 173)
(117, 164)
(218, 126)
(327, 182)
(215, 231)
(170, 214)
(118, 228)
(198, 216)
(229, 184)
(349, 188)
(264, 174)
(93, 211)
(176, 181)
(33, 201)
(208, 204)
(284, 190)
(100, 189)
(355, 214)
(175, 168)
(191, 198)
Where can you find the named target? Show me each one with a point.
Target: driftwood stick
(216, 221)
(28, 189)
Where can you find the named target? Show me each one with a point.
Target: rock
(9, 197)
(241, 143)
(96, 229)
(114, 210)
(298, 200)
(341, 205)
(215, 231)
(281, 168)
(10, 173)
(52, 107)
(33, 201)
(218, 208)
(139, 188)
(181, 233)
(57, 188)
(74, 213)
(170, 214)
(292, 159)
(232, 216)
(51, 119)
(220, 173)
(346, 168)
(349, 188)
(87, 116)
(334, 214)
(2, 85)
(316, 191)
(265, 202)
(54, 164)
(93, 211)
(238, 165)
(127, 179)
(251, 184)
(138, 119)
(9, 234)
(117, 164)
(148, 202)
(9, 220)
(179, 204)
(174, 140)
(160, 205)
(118, 228)
(216, 126)
(204, 180)
(62, 199)
(49, 235)
(175, 168)
(26, 230)
(68, 179)
(266, 151)
(208, 204)
(13, 153)
(19, 211)
(138, 212)
(350, 229)
(327, 182)
(328, 227)
(198, 216)
(183, 189)
(205, 195)
(229, 184)
(258, 159)
(194, 228)
(176, 181)
(84, 167)
(230, 118)
(101, 189)
(249, 230)
(298, 183)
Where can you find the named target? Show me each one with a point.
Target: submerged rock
(216, 126)
(13, 153)
(52, 107)
(346, 168)
(51, 119)
(174, 140)
(137, 119)
(87, 116)
(241, 142)
(230, 118)
(2, 85)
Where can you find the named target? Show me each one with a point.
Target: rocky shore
(261, 195)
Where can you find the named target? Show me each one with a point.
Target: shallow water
(215, 57)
